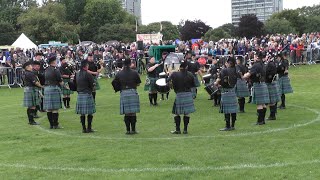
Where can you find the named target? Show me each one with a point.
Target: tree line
(103, 20)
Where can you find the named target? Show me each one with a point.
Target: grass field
(284, 149)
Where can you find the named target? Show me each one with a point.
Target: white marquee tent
(24, 42)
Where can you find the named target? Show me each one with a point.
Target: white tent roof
(24, 42)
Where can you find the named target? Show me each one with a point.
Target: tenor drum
(162, 75)
(206, 78)
(161, 86)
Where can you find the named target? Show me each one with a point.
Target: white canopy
(24, 42)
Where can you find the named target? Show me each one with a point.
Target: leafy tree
(309, 10)
(216, 34)
(74, 10)
(101, 12)
(282, 26)
(312, 24)
(48, 23)
(169, 30)
(119, 32)
(249, 26)
(7, 33)
(192, 29)
(296, 20)
(230, 29)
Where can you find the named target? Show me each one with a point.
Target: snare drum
(206, 78)
(161, 86)
(212, 89)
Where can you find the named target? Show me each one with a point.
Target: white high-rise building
(262, 8)
(133, 7)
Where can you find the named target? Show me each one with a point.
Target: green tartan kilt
(260, 94)
(31, 97)
(52, 98)
(151, 87)
(85, 104)
(242, 89)
(97, 85)
(183, 104)
(274, 95)
(129, 102)
(229, 102)
(196, 80)
(64, 90)
(285, 85)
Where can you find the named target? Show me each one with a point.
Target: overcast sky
(212, 12)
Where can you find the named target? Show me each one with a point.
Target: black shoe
(232, 128)
(51, 127)
(134, 132)
(241, 111)
(271, 118)
(185, 132)
(34, 123)
(68, 107)
(225, 129)
(36, 116)
(91, 130)
(175, 132)
(260, 123)
(281, 107)
(156, 104)
(128, 133)
(57, 127)
(84, 131)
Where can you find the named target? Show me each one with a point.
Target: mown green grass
(285, 149)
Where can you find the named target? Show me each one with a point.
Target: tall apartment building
(133, 7)
(262, 8)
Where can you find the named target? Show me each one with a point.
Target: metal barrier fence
(11, 77)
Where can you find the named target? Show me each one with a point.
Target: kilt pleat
(129, 102)
(196, 80)
(274, 95)
(229, 102)
(285, 85)
(85, 104)
(31, 97)
(64, 90)
(260, 94)
(97, 85)
(242, 89)
(183, 104)
(152, 85)
(52, 98)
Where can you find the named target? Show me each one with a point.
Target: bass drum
(162, 86)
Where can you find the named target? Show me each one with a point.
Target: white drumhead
(162, 74)
(206, 76)
(161, 82)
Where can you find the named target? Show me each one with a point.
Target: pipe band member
(284, 80)
(52, 93)
(260, 95)
(94, 69)
(242, 90)
(85, 102)
(151, 81)
(67, 74)
(182, 82)
(194, 68)
(31, 92)
(128, 80)
(227, 80)
(273, 87)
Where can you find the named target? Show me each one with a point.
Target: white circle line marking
(165, 169)
(317, 119)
